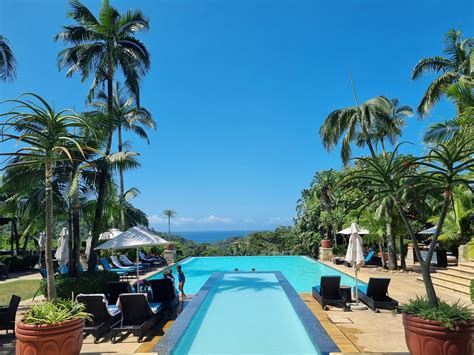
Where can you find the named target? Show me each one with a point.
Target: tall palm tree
(7, 61)
(48, 139)
(100, 47)
(355, 122)
(455, 65)
(126, 116)
(169, 214)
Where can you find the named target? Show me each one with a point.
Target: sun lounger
(154, 261)
(164, 292)
(8, 314)
(4, 270)
(120, 271)
(375, 295)
(115, 289)
(125, 261)
(116, 262)
(328, 293)
(138, 316)
(102, 318)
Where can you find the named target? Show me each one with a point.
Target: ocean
(211, 236)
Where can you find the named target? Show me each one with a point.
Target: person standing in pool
(181, 281)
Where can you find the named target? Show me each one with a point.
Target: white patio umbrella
(110, 234)
(353, 228)
(89, 244)
(431, 230)
(62, 252)
(355, 256)
(134, 238)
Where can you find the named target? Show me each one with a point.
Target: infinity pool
(246, 313)
(302, 272)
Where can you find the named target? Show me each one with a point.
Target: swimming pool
(246, 313)
(302, 272)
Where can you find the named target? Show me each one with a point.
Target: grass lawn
(23, 288)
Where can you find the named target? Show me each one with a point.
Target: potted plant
(170, 246)
(443, 329)
(325, 243)
(52, 327)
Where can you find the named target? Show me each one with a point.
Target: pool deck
(353, 332)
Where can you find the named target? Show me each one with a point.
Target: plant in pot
(52, 327)
(410, 180)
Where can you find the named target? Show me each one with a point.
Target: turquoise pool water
(246, 314)
(302, 272)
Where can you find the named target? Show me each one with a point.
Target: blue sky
(239, 90)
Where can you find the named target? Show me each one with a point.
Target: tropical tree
(440, 171)
(7, 61)
(169, 214)
(355, 124)
(100, 47)
(454, 66)
(126, 116)
(47, 138)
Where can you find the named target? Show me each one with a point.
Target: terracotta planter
(58, 339)
(429, 337)
(325, 243)
(170, 246)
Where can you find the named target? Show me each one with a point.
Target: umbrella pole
(357, 289)
(138, 275)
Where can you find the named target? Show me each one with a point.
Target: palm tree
(452, 67)
(127, 116)
(169, 214)
(7, 61)
(48, 139)
(355, 122)
(100, 47)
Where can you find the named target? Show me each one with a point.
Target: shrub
(67, 286)
(20, 262)
(54, 312)
(449, 315)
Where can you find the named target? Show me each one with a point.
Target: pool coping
(317, 334)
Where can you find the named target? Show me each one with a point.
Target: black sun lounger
(328, 293)
(376, 295)
(138, 316)
(115, 289)
(164, 292)
(102, 318)
(8, 314)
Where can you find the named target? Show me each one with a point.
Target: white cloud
(279, 220)
(249, 220)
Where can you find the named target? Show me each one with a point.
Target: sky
(239, 90)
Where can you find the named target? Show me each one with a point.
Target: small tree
(47, 139)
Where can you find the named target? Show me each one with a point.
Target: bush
(448, 314)
(20, 262)
(66, 286)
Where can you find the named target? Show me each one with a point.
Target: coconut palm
(355, 124)
(48, 139)
(455, 65)
(100, 47)
(7, 61)
(169, 214)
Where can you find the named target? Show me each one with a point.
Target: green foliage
(54, 312)
(67, 286)
(449, 315)
(20, 262)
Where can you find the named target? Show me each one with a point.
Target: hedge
(20, 262)
(67, 286)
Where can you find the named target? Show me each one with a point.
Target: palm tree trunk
(122, 187)
(76, 234)
(169, 225)
(49, 231)
(403, 265)
(382, 253)
(97, 225)
(382, 144)
(70, 241)
(392, 254)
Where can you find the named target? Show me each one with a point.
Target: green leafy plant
(54, 312)
(449, 315)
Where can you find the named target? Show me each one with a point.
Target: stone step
(456, 273)
(465, 269)
(451, 278)
(449, 286)
(469, 265)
